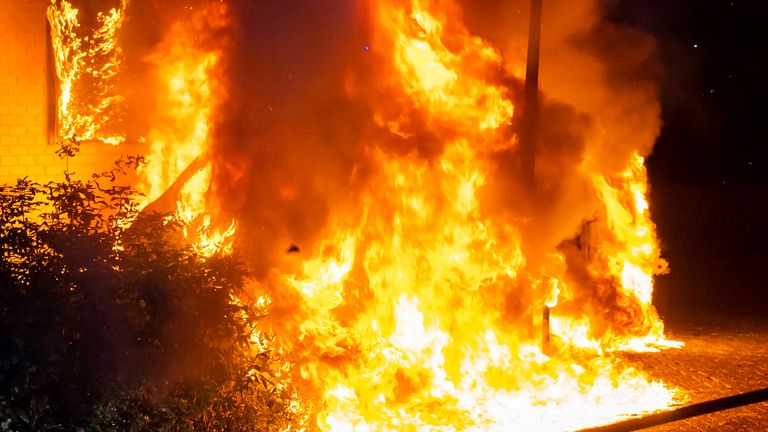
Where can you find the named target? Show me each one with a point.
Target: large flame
(87, 63)
(188, 67)
(420, 305)
(408, 306)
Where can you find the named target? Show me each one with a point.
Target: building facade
(28, 101)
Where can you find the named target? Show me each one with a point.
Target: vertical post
(529, 130)
(585, 239)
(545, 337)
(530, 126)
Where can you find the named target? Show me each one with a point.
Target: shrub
(109, 325)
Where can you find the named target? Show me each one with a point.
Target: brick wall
(26, 144)
(23, 100)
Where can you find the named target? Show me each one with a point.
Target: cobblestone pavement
(722, 357)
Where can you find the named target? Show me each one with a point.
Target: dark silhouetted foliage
(107, 325)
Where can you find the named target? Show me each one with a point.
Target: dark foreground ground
(715, 299)
(722, 357)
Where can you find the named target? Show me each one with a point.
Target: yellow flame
(429, 72)
(87, 63)
(630, 252)
(421, 314)
(190, 90)
(407, 321)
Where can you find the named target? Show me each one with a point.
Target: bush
(107, 325)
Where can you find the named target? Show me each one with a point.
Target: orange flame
(87, 66)
(417, 308)
(190, 89)
(405, 323)
(188, 68)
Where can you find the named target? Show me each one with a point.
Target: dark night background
(708, 171)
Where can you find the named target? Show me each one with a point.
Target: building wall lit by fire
(28, 87)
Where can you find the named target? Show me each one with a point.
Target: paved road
(722, 357)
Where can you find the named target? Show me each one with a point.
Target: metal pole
(530, 125)
(545, 335)
(531, 104)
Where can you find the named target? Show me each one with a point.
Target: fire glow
(87, 63)
(417, 305)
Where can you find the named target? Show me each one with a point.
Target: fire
(405, 322)
(187, 69)
(87, 63)
(417, 307)
(429, 74)
(631, 225)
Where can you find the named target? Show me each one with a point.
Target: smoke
(315, 133)
(600, 107)
(291, 145)
(292, 137)
(614, 80)
(289, 140)
(602, 69)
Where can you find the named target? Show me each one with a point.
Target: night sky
(709, 170)
(713, 86)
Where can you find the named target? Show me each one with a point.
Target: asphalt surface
(722, 357)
